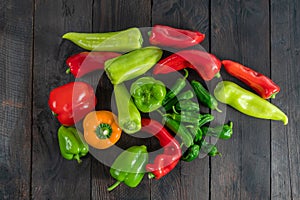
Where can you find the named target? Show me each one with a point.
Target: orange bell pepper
(101, 130)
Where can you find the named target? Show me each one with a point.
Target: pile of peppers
(183, 130)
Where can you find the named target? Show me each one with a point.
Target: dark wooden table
(261, 161)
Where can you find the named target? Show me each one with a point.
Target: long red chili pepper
(163, 163)
(85, 62)
(205, 64)
(172, 37)
(263, 85)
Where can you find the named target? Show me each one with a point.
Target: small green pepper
(132, 64)
(183, 96)
(148, 93)
(120, 41)
(191, 153)
(71, 143)
(248, 102)
(187, 105)
(129, 118)
(129, 166)
(210, 149)
(223, 132)
(204, 96)
(205, 118)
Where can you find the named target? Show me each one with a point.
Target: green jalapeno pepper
(129, 118)
(223, 132)
(132, 64)
(71, 143)
(148, 93)
(120, 41)
(129, 166)
(204, 96)
(248, 102)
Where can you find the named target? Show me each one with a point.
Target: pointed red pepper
(163, 163)
(85, 62)
(205, 64)
(71, 102)
(263, 85)
(173, 37)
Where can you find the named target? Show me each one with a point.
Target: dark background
(261, 161)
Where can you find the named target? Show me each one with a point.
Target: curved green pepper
(148, 93)
(120, 41)
(129, 118)
(248, 102)
(132, 64)
(129, 166)
(71, 144)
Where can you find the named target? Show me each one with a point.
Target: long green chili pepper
(187, 105)
(129, 117)
(183, 96)
(223, 132)
(177, 87)
(120, 41)
(179, 129)
(205, 118)
(204, 96)
(248, 102)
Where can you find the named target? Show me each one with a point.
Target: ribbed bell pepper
(148, 93)
(71, 102)
(129, 166)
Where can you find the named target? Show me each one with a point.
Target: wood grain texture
(113, 16)
(240, 31)
(15, 98)
(285, 47)
(188, 180)
(53, 177)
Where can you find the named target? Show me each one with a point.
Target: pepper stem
(103, 131)
(77, 157)
(273, 95)
(186, 74)
(68, 71)
(217, 75)
(151, 175)
(54, 114)
(174, 110)
(113, 186)
(217, 109)
(162, 114)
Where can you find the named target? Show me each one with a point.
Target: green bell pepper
(120, 41)
(71, 143)
(129, 166)
(129, 118)
(132, 64)
(148, 94)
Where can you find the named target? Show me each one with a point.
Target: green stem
(151, 175)
(77, 157)
(68, 71)
(162, 114)
(217, 75)
(113, 186)
(273, 95)
(174, 110)
(186, 74)
(54, 114)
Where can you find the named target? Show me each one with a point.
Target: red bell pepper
(263, 85)
(163, 163)
(85, 62)
(205, 64)
(71, 102)
(173, 37)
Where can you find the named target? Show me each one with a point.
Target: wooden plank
(187, 180)
(15, 98)
(113, 16)
(53, 177)
(285, 45)
(240, 31)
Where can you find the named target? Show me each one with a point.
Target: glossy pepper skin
(129, 118)
(205, 64)
(165, 162)
(132, 64)
(247, 102)
(191, 153)
(129, 167)
(148, 93)
(85, 62)
(263, 85)
(119, 41)
(204, 96)
(223, 132)
(71, 102)
(173, 37)
(101, 129)
(71, 144)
